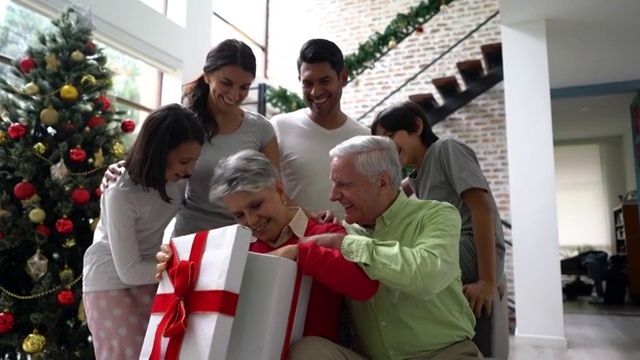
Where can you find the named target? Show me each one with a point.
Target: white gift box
(271, 310)
(271, 307)
(207, 335)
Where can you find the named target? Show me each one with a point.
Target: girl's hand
(163, 257)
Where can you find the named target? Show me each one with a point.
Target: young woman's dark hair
(320, 50)
(162, 131)
(196, 92)
(403, 117)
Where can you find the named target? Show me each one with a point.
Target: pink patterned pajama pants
(118, 320)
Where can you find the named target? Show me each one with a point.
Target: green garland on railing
(368, 52)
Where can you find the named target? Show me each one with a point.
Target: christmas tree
(58, 131)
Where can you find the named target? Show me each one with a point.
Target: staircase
(477, 80)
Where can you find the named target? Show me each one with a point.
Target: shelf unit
(627, 235)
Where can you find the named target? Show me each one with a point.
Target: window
(247, 26)
(174, 10)
(137, 86)
(18, 27)
(134, 80)
(583, 209)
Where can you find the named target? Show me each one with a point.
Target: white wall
(532, 183)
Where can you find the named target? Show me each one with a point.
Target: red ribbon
(292, 315)
(177, 306)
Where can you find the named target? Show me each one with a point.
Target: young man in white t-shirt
(305, 136)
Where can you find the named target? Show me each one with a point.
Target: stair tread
(426, 101)
(469, 64)
(470, 70)
(447, 86)
(422, 97)
(492, 54)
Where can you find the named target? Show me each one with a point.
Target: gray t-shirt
(448, 169)
(197, 212)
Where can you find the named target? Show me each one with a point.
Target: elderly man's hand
(325, 217)
(287, 252)
(163, 256)
(327, 240)
(480, 294)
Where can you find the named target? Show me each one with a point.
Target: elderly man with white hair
(411, 247)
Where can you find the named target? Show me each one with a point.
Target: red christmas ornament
(80, 196)
(64, 226)
(1, 235)
(419, 29)
(104, 102)
(43, 229)
(24, 190)
(7, 321)
(97, 192)
(127, 125)
(69, 127)
(66, 297)
(90, 48)
(95, 121)
(26, 64)
(17, 131)
(77, 154)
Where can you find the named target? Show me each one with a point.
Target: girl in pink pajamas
(119, 267)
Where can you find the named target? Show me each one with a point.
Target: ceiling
(589, 41)
(598, 108)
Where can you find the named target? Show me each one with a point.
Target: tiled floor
(593, 332)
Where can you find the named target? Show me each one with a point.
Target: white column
(539, 312)
(197, 42)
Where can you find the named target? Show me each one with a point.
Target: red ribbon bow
(177, 306)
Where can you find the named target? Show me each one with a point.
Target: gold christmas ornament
(66, 275)
(4, 213)
(40, 148)
(37, 216)
(88, 80)
(49, 116)
(94, 223)
(3, 137)
(98, 158)
(37, 265)
(392, 44)
(443, 5)
(69, 93)
(77, 56)
(82, 315)
(34, 343)
(52, 62)
(118, 150)
(69, 243)
(31, 89)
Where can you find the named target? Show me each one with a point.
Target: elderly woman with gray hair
(251, 189)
